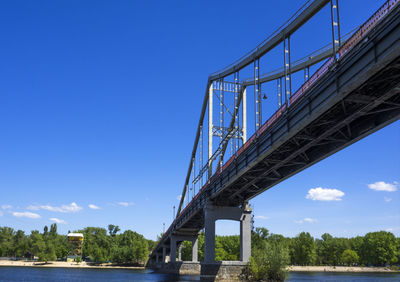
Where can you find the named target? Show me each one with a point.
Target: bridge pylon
(213, 213)
(177, 240)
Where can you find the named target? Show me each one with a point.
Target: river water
(35, 274)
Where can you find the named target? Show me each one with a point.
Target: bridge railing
(346, 47)
(343, 50)
(368, 25)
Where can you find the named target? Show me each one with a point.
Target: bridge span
(354, 93)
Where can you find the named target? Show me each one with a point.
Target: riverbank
(293, 268)
(356, 269)
(66, 264)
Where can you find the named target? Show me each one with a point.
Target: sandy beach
(339, 269)
(111, 266)
(65, 264)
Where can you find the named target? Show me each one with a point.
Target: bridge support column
(173, 249)
(180, 252)
(213, 213)
(245, 235)
(195, 249)
(164, 254)
(178, 239)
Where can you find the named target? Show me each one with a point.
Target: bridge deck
(346, 101)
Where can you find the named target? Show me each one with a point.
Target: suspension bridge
(353, 93)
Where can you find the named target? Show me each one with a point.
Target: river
(36, 274)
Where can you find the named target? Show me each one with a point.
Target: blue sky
(99, 105)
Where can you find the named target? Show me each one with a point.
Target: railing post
(210, 129)
(244, 115)
(221, 117)
(335, 28)
(257, 95)
(287, 68)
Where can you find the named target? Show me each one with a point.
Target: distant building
(75, 241)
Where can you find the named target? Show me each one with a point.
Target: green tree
(356, 244)
(20, 244)
(130, 247)
(61, 246)
(330, 249)
(6, 241)
(45, 230)
(302, 249)
(186, 250)
(227, 247)
(96, 244)
(379, 248)
(37, 244)
(48, 254)
(349, 257)
(53, 230)
(113, 229)
(269, 259)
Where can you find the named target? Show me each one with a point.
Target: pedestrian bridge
(354, 93)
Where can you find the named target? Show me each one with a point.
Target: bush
(349, 257)
(268, 262)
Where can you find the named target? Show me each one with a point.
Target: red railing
(346, 47)
(367, 26)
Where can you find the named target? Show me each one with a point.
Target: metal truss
(226, 131)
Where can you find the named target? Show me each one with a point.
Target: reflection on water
(114, 275)
(346, 277)
(76, 274)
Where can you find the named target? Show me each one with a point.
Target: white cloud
(306, 220)
(261, 217)
(387, 200)
(26, 214)
(383, 186)
(310, 220)
(94, 207)
(6, 207)
(179, 197)
(1, 213)
(73, 207)
(57, 220)
(389, 229)
(126, 204)
(324, 194)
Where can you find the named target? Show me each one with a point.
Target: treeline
(125, 248)
(374, 249)
(99, 245)
(106, 245)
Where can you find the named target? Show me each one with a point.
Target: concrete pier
(213, 213)
(177, 240)
(217, 271)
(222, 271)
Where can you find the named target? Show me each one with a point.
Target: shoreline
(354, 269)
(293, 268)
(64, 264)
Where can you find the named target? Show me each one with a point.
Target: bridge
(353, 93)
